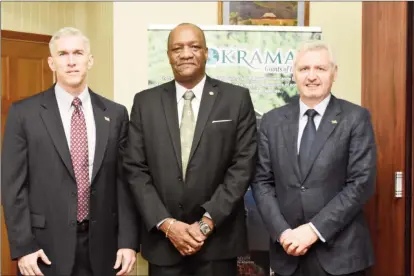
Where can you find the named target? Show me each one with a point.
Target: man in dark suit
(313, 176)
(68, 209)
(189, 161)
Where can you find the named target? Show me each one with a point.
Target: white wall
(341, 24)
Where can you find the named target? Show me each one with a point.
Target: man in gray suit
(314, 176)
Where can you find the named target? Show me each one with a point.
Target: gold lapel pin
(334, 122)
(211, 93)
(107, 119)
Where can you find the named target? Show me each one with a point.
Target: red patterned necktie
(79, 154)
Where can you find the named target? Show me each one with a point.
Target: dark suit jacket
(39, 187)
(218, 174)
(339, 181)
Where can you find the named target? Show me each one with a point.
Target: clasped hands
(296, 242)
(186, 238)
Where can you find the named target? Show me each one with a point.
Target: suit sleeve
(264, 189)
(239, 174)
(138, 175)
(14, 183)
(128, 236)
(359, 185)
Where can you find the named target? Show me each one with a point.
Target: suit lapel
(290, 134)
(102, 131)
(169, 101)
(53, 122)
(327, 125)
(206, 104)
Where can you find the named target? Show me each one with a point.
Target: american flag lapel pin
(334, 122)
(107, 119)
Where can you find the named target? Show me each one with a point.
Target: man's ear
(51, 64)
(90, 61)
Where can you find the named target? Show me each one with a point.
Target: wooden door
(25, 72)
(384, 93)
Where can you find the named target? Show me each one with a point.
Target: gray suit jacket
(339, 181)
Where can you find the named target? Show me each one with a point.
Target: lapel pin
(107, 119)
(211, 93)
(334, 122)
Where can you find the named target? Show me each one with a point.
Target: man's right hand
(291, 243)
(28, 264)
(180, 238)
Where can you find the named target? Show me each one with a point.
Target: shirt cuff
(206, 214)
(160, 223)
(278, 239)
(317, 232)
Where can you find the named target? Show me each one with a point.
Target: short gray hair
(68, 31)
(315, 45)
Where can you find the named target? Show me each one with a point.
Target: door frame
(409, 185)
(29, 37)
(7, 34)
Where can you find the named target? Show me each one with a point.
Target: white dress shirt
(303, 119)
(64, 101)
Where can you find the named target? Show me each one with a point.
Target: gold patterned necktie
(187, 129)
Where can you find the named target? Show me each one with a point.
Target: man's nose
(187, 52)
(71, 60)
(312, 74)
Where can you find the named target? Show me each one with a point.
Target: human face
(314, 75)
(71, 60)
(187, 54)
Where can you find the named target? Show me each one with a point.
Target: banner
(259, 58)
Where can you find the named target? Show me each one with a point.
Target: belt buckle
(83, 226)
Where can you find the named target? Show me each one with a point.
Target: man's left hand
(194, 229)
(127, 258)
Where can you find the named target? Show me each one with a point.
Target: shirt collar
(197, 90)
(320, 107)
(66, 99)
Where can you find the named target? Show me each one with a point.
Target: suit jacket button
(93, 192)
(180, 178)
(73, 223)
(74, 194)
(180, 205)
(302, 188)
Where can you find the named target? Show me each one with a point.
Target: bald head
(188, 54)
(186, 26)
